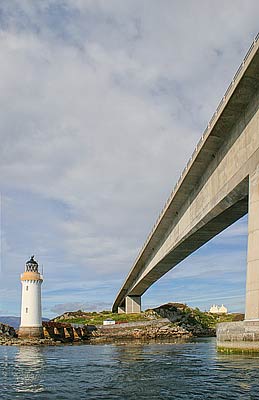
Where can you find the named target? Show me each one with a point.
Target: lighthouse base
(30, 332)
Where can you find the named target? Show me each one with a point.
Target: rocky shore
(9, 337)
(161, 329)
(102, 334)
(7, 331)
(169, 321)
(14, 341)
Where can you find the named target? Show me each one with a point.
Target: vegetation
(216, 319)
(177, 313)
(208, 320)
(94, 318)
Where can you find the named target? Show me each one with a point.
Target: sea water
(184, 370)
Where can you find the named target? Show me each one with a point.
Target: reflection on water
(153, 371)
(27, 373)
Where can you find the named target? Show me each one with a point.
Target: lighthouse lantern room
(31, 318)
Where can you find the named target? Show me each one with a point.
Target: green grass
(188, 315)
(98, 318)
(208, 320)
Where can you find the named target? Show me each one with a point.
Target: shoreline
(131, 332)
(171, 321)
(117, 342)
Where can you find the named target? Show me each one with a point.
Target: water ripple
(156, 371)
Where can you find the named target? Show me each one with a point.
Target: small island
(169, 321)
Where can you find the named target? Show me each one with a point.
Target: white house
(215, 309)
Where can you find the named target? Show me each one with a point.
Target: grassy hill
(97, 318)
(177, 313)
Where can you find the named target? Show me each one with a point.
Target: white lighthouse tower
(31, 319)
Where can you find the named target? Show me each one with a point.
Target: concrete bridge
(218, 186)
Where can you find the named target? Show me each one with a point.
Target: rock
(7, 331)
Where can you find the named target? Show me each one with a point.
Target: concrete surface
(238, 336)
(212, 193)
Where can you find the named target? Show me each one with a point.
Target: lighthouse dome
(32, 265)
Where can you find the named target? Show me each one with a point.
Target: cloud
(101, 106)
(61, 308)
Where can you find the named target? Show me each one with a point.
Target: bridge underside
(228, 211)
(219, 186)
(232, 208)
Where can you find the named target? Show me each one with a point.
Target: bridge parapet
(241, 69)
(212, 191)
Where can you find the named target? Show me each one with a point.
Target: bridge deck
(238, 96)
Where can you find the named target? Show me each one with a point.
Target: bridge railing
(199, 145)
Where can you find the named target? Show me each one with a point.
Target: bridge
(218, 186)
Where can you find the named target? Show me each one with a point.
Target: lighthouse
(31, 318)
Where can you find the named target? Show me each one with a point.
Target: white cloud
(61, 308)
(101, 106)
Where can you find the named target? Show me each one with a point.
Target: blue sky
(102, 104)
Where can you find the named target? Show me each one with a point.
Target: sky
(101, 105)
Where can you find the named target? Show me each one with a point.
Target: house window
(27, 287)
(26, 310)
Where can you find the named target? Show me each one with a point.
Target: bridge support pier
(252, 277)
(244, 336)
(133, 304)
